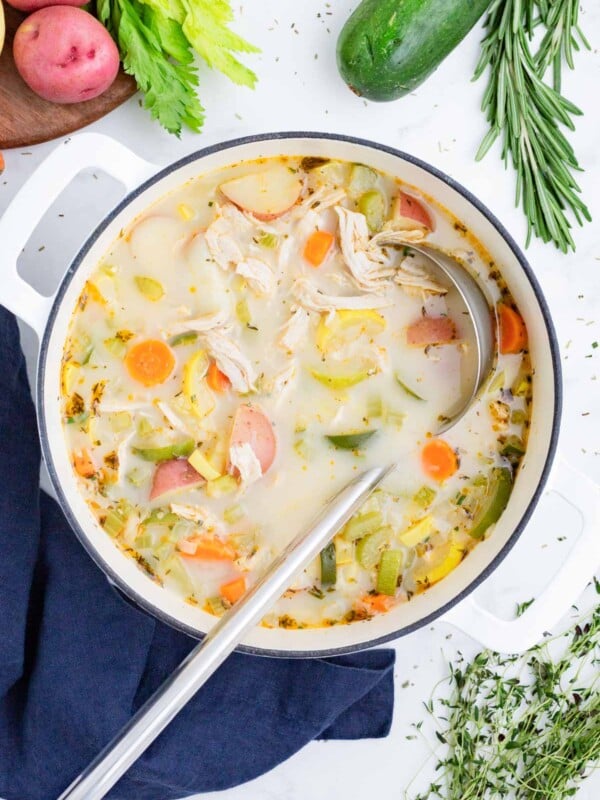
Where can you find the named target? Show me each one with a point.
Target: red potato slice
(431, 330)
(173, 475)
(33, 5)
(408, 213)
(266, 195)
(252, 426)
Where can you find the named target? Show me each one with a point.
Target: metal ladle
(228, 632)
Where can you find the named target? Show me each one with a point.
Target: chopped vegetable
(389, 571)
(150, 362)
(151, 289)
(377, 603)
(120, 421)
(425, 496)
(233, 514)
(268, 240)
(362, 179)
(494, 502)
(513, 448)
(203, 466)
(208, 548)
(438, 459)
(114, 523)
(83, 464)
(368, 548)
(183, 338)
(431, 330)
(180, 449)
(216, 606)
(328, 565)
(513, 334)
(233, 590)
(406, 389)
(252, 426)
(342, 381)
(438, 563)
(418, 532)
(317, 247)
(345, 325)
(372, 205)
(216, 379)
(173, 476)
(219, 487)
(350, 441)
(362, 524)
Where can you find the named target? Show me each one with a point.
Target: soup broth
(254, 340)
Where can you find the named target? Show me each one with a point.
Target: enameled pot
(145, 183)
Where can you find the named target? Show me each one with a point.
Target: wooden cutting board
(26, 119)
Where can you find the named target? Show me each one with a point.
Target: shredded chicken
(364, 261)
(243, 458)
(321, 198)
(293, 333)
(415, 279)
(313, 299)
(216, 319)
(231, 361)
(259, 275)
(221, 236)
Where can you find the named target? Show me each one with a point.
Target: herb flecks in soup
(249, 344)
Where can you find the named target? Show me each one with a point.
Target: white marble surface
(441, 123)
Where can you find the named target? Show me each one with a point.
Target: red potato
(407, 211)
(33, 5)
(65, 55)
(251, 426)
(170, 476)
(431, 330)
(266, 195)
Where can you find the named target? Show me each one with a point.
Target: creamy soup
(254, 340)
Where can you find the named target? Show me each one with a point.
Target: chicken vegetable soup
(255, 339)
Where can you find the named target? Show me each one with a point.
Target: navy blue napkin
(76, 660)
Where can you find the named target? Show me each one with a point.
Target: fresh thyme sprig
(529, 114)
(524, 727)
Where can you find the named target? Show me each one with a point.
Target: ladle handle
(196, 669)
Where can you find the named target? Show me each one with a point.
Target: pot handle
(518, 635)
(35, 197)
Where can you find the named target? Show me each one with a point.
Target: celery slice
(350, 441)
(424, 497)
(151, 289)
(155, 454)
(183, 338)
(372, 205)
(226, 484)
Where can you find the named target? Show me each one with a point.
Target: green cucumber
(389, 47)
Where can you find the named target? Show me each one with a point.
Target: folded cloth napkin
(76, 660)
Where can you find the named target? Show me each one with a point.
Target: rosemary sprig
(529, 114)
(524, 727)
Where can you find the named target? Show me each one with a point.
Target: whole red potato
(65, 55)
(33, 5)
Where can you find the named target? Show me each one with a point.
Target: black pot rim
(117, 581)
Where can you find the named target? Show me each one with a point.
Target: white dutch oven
(145, 182)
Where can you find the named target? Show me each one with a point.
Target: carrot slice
(378, 603)
(438, 459)
(317, 246)
(83, 464)
(513, 333)
(233, 590)
(216, 379)
(210, 548)
(150, 362)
